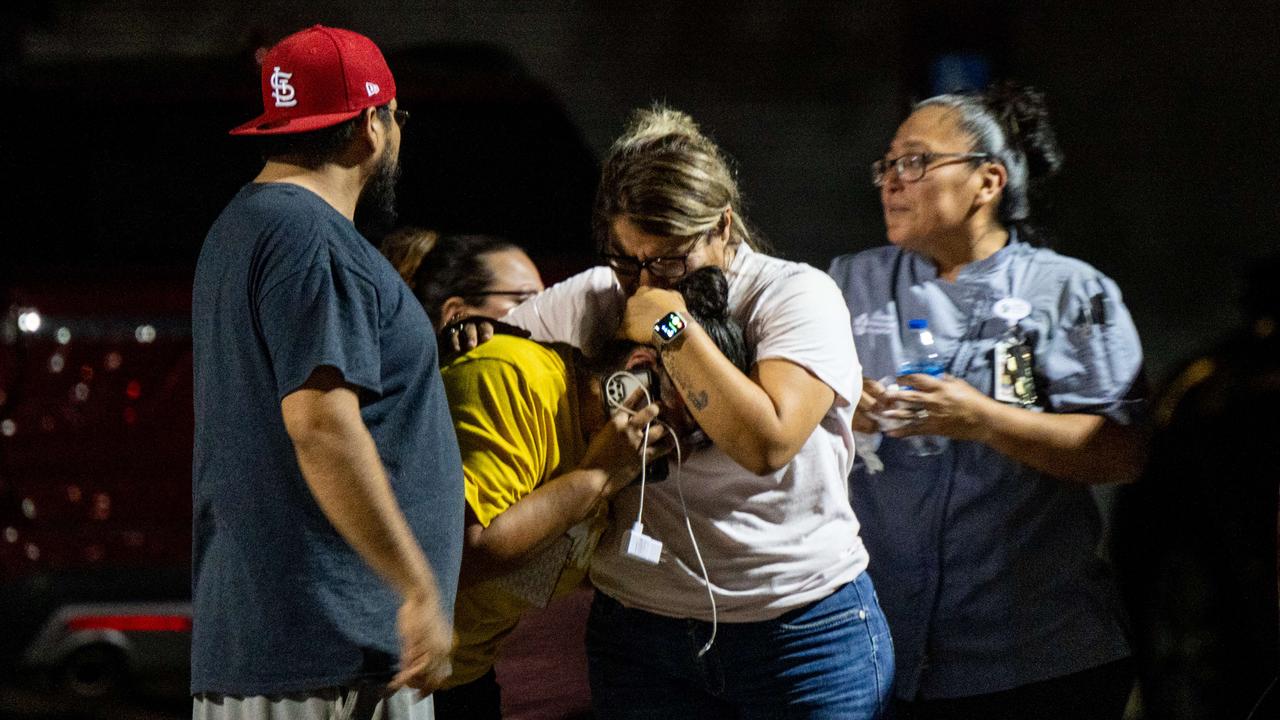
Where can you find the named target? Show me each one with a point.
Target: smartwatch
(668, 328)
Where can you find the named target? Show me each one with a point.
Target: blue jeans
(830, 659)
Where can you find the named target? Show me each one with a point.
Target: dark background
(1167, 112)
(114, 152)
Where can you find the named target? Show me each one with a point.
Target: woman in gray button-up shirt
(985, 554)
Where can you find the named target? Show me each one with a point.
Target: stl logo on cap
(281, 90)
(317, 78)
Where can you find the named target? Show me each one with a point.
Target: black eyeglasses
(670, 267)
(519, 295)
(912, 166)
(666, 267)
(401, 116)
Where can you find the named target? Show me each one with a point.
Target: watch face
(670, 326)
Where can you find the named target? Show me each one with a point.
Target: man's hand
(646, 307)
(340, 463)
(426, 641)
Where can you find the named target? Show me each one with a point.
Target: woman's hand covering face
(647, 306)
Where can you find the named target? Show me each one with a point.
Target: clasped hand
(946, 406)
(615, 448)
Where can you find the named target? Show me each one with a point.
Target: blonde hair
(405, 248)
(668, 179)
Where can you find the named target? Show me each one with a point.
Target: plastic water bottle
(920, 356)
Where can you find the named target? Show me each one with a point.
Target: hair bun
(658, 122)
(1024, 114)
(706, 296)
(706, 293)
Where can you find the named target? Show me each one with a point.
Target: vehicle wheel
(94, 672)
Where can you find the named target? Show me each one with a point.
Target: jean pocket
(850, 616)
(839, 608)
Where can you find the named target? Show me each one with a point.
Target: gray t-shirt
(282, 603)
(986, 568)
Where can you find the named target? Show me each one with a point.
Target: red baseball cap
(317, 78)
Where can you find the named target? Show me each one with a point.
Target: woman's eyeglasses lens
(667, 268)
(909, 168)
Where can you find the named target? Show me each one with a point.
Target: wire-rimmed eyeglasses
(912, 166)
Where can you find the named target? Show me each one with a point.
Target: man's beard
(376, 208)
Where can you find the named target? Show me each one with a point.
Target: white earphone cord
(644, 451)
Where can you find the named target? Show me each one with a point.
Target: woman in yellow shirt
(541, 454)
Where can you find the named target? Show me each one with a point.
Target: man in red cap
(327, 485)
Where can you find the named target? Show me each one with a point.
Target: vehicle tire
(94, 672)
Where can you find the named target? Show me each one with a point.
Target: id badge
(1013, 382)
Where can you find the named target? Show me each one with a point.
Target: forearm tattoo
(699, 399)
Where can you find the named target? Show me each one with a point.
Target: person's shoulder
(308, 226)
(514, 348)
(765, 288)
(513, 352)
(264, 209)
(557, 314)
(760, 269)
(274, 228)
(596, 276)
(511, 366)
(597, 286)
(1051, 267)
(291, 216)
(285, 202)
(871, 259)
(765, 275)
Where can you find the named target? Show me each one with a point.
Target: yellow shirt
(514, 404)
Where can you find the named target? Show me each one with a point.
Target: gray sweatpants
(364, 702)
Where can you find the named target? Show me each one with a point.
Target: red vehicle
(95, 455)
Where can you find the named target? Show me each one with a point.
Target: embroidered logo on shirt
(879, 322)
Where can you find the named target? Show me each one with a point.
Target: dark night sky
(1166, 111)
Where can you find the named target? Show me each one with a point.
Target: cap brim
(262, 126)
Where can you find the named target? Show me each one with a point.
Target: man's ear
(374, 131)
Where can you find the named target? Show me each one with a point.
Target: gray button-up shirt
(988, 569)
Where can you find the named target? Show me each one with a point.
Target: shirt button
(862, 614)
